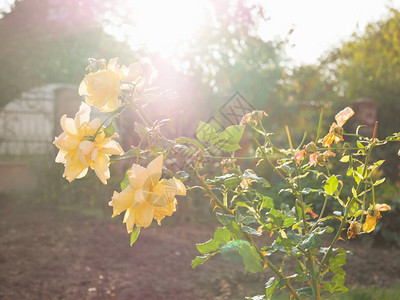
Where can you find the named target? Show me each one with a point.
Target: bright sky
(320, 24)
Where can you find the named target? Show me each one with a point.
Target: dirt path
(48, 254)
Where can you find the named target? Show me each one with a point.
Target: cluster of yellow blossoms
(146, 196)
(85, 144)
(81, 148)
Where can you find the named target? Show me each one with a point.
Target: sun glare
(164, 26)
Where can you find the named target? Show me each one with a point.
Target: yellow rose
(103, 87)
(78, 152)
(146, 196)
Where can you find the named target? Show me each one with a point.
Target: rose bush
(241, 199)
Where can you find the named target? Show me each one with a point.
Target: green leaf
(222, 235)
(379, 181)
(208, 246)
(354, 192)
(349, 171)
(353, 210)
(226, 177)
(199, 260)
(242, 204)
(140, 129)
(345, 158)
(131, 153)
(293, 236)
(305, 291)
(249, 230)
(338, 281)
(182, 176)
(187, 140)
(308, 190)
(251, 258)
(248, 220)
(267, 202)
(249, 174)
(224, 219)
(288, 222)
(229, 139)
(206, 133)
(327, 286)
(331, 185)
(125, 182)
(337, 261)
(109, 130)
(135, 235)
(341, 202)
(236, 234)
(270, 287)
(312, 241)
(231, 183)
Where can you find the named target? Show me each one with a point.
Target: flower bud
(310, 148)
(354, 229)
(338, 131)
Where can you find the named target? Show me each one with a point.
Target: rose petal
(370, 223)
(83, 115)
(112, 147)
(144, 215)
(161, 212)
(74, 167)
(139, 177)
(343, 116)
(122, 201)
(61, 156)
(100, 166)
(129, 219)
(155, 169)
(68, 125)
(383, 207)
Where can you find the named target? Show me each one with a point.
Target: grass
(371, 293)
(359, 293)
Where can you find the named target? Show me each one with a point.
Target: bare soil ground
(50, 254)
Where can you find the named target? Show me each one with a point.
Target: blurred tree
(230, 56)
(50, 41)
(368, 66)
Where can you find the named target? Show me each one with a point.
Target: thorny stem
(142, 114)
(324, 205)
(310, 257)
(229, 157)
(247, 236)
(212, 194)
(297, 191)
(271, 164)
(114, 114)
(270, 265)
(344, 219)
(314, 277)
(287, 181)
(363, 203)
(319, 125)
